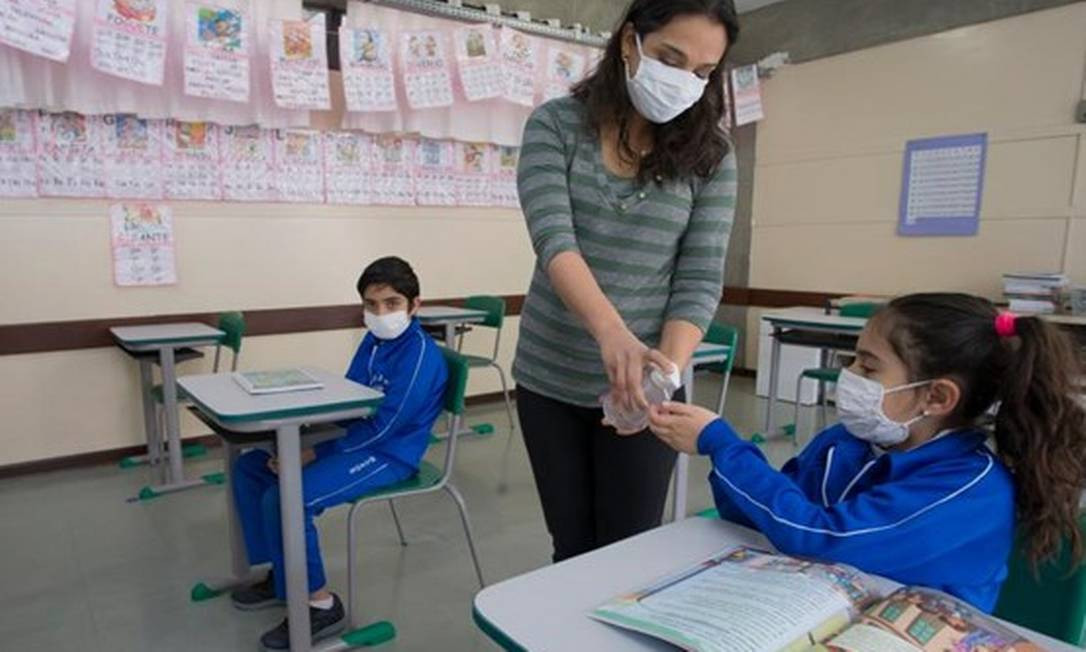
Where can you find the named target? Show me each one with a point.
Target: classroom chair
(723, 335)
(495, 319)
(1052, 601)
(429, 479)
(828, 375)
(233, 325)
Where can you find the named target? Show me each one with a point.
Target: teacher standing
(628, 188)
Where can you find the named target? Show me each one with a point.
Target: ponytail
(1032, 371)
(1040, 434)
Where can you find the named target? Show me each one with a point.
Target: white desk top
(435, 314)
(223, 399)
(1067, 320)
(180, 334)
(814, 317)
(547, 609)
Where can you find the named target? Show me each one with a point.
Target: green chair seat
(428, 476)
(476, 361)
(825, 374)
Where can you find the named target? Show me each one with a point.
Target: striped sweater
(657, 251)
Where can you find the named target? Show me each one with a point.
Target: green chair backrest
(861, 309)
(1052, 602)
(726, 335)
(493, 306)
(457, 385)
(233, 324)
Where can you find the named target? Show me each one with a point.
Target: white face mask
(388, 326)
(859, 404)
(660, 92)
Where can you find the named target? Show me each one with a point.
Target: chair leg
(823, 410)
(799, 401)
(723, 392)
(396, 520)
(352, 564)
(503, 482)
(459, 500)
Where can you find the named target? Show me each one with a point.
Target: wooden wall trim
(44, 337)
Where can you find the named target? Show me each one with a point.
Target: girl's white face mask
(388, 326)
(859, 404)
(660, 92)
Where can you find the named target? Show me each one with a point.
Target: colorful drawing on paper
(220, 29)
(475, 45)
(190, 135)
(245, 143)
(69, 128)
(301, 145)
(508, 157)
(8, 131)
(140, 11)
(297, 43)
(369, 48)
(131, 132)
(474, 157)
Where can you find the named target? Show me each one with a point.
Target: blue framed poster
(942, 186)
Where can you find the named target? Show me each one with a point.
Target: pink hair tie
(1005, 324)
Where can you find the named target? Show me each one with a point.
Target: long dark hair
(695, 142)
(1040, 428)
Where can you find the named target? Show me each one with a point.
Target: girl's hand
(625, 358)
(679, 424)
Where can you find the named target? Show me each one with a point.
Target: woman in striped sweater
(628, 188)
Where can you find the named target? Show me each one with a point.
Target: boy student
(403, 362)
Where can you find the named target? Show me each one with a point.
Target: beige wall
(829, 160)
(55, 266)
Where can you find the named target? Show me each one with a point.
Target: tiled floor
(83, 570)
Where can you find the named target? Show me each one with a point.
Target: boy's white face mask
(660, 92)
(388, 326)
(859, 404)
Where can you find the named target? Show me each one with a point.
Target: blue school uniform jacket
(411, 372)
(940, 515)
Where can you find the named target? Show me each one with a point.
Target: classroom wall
(56, 266)
(829, 160)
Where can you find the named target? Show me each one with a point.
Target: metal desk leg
(288, 448)
(682, 464)
(150, 423)
(241, 572)
(774, 377)
(450, 336)
(169, 404)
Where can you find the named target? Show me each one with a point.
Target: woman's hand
(679, 424)
(625, 358)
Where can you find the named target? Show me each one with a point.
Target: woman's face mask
(660, 92)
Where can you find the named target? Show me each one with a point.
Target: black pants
(596, 487)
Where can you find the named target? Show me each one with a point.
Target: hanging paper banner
(299, 165)
(518, 66)
(748, 95)
(69, 159)
(247, 164)
(18, 173)
(426, 69)
(503, 183)
(564, 69)
(392, 175)
(299, 63)
(191, 158)
(474, 170)
(435, 173)
(143, 245)
(41, 27)
(132, 150)
(347, 157)
(366, 65)
(217, 52)
(130, 39)
(479, 63)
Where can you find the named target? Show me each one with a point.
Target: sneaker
(256, 596)
(322, 624)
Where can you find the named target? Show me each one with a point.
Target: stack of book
(1034, 293)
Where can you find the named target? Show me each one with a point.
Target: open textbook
(744, 600)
